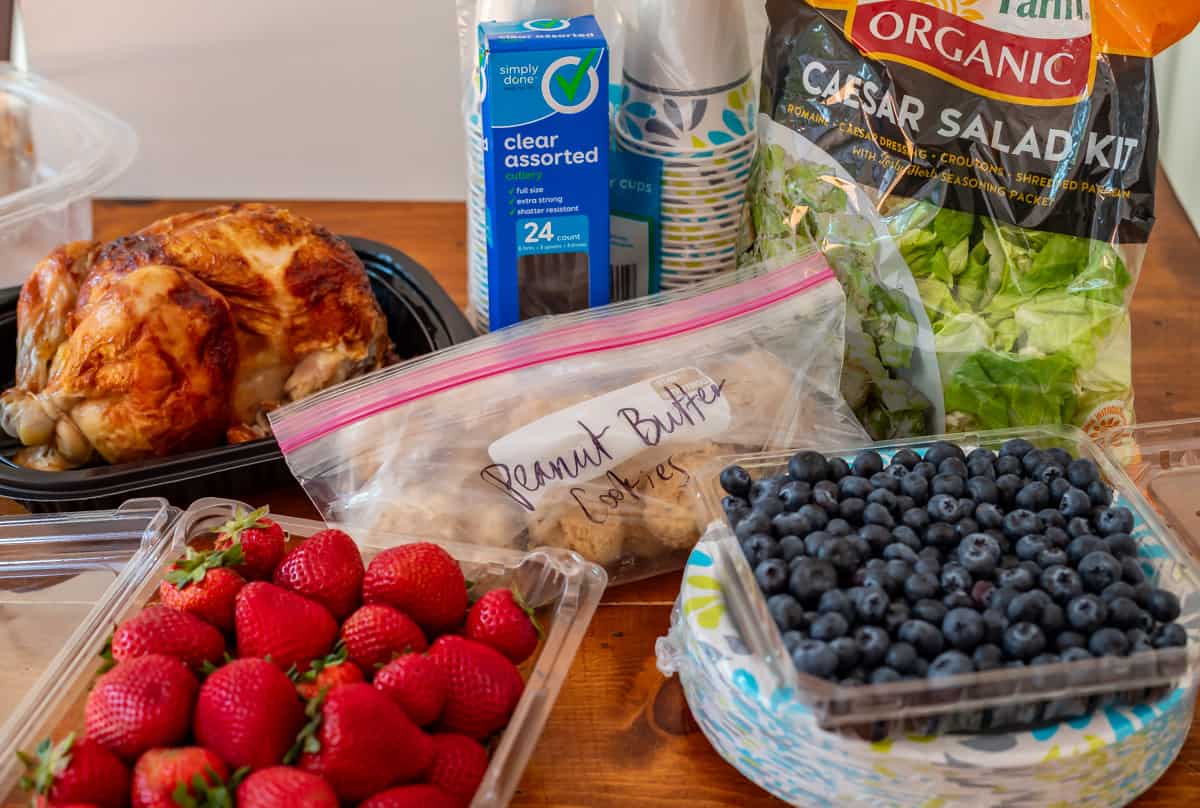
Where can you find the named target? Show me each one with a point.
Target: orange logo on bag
(1027, 51)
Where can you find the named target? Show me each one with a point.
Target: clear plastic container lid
(61, 148)
(57, 573)
(977, 701)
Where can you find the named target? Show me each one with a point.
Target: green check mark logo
(571, 87)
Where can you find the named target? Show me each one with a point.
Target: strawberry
(327, 673)
(484, 686)
(142, 703)
(459, 764)
(290, 629)
(376, 633)
(262, 542)
(162, 630)
(285, 787)
(423, 796)
(70, 773)
(248, 713)
(203, 584)
(327, 568)
(361, 742)
(417, 684)
(502, 620)
(423, 581)
(168, 778)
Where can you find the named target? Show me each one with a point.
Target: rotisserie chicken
(185, 334)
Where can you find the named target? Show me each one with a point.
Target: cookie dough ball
(494, 525)
(565, 525)
(670, 511)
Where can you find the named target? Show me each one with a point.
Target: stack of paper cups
(688, 101)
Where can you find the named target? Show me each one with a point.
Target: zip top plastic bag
(585, 431)
(981, 175)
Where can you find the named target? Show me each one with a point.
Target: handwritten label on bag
(588, 440)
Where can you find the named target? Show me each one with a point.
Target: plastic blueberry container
(975, 702)
(561, 586)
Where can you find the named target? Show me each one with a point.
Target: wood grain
(621, 734)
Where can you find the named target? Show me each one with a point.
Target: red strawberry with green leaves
(189, 776)
(361, 743)
(248, 713)
(459, 764)
(502, 620)
(262, 541)
(420, 796)
(328, 568)
(423, 581)
(285, 787)
(204, 585)
(142, 703)
(327, 673)
(74, 772)
(289, 629)
(376, 633)
(161, 630)
(417, 684)
(483, 686)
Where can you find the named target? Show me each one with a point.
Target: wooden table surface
(621, 735)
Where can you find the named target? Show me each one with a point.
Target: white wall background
(316, 99)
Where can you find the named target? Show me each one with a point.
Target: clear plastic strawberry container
(974, 702)
(561, 586)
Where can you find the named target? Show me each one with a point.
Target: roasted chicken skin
(183, 334)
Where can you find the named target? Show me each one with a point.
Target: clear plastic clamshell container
(975, 702)
(561, 586)
(56, 152)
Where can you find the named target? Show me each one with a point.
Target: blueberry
(901, 657)
(1082, 546)
(758, 548)
(736, 512)
(854, 487)
(958, 600)
(1024, 641)
(882, 496)
(919, 587)
(988, 516)
(767, 488)
(1034, 568)
(791, 639)
(1114, 520)
(791, 547)
(1017, 578)
(942, 536)
(906, 536)
(885, 481)
(915, 486)
(1163, 606)
(1123, 613)
(1008, 485)
(1098, 569)
(964, 629)
(852, 509)
(929, 610)
(1028, 547)
(810, 579)
(809, 467)
(1076, 655)
(815, 515)
(877, 536)
(736, 481)
(772, 576)
(825, 499)
(838, 468)
(787, 612)
(836, 601)
(925, 469)
(966, 509)
(847, 654)
(1171, 635)
(951, 663)
(1078, 526)
(1028, 607)
(977, 561)
(814, 541)
(898, 571)
(1120, 589)
(965, 527)
(828, 627)
(1058, 487)
(943, 508)
(1131, 571)
(872, 606)
(838, 527)
(981, 541)
(884, 676)
(1031, 460)
(928, 566)
(1009, 465)
(983, 490)
(941, 450)
(987, 657)
(1138, 640)
(1061, 583)
(999, 597)
(791, 524)
(897, 616)
(923, 637)
(1057, 537)
(755, 523)
(840, 554)
(1033, 496)
(1016, 447)
(1048, 472)
(1067, 640)
(866, 463)
(815, 658)
(955, 578)
(1108, 642)
(730, 503)
(1053, 619)
(873, 643)
(1075, 503)
(981, 470)
(901, 552)
(916, 518)
(1021, 522)
(1058, 455)
(1120, 545)
(995, 623)
(1052, 518)
(1100, 494)
(876, 514)
(907, 458)
(1141, 594)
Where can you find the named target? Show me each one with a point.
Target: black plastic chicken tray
(421, 319)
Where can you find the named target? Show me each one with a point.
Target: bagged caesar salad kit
(587, 431)
(980, 174)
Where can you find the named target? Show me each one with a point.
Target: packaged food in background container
(981, 176)
(583, 431)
